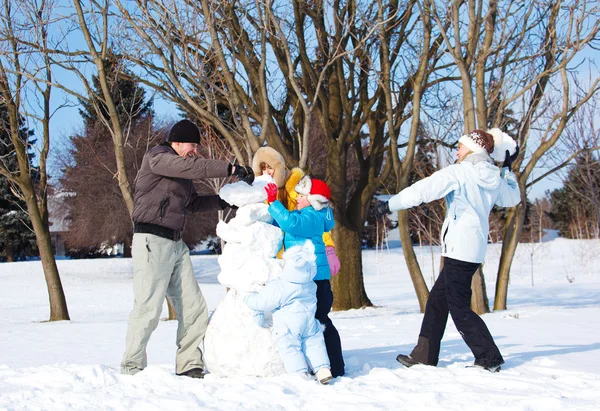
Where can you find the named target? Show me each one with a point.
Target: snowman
(238, 340)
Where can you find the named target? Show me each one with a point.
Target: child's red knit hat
(316, 191)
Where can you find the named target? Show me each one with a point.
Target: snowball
(241, 194)
(502, 142)
(251, 213)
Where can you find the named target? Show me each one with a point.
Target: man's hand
(271, 190)
(508, 160)
(381, 209)
(243, 173)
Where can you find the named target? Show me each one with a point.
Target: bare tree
(538, 223)
(96, 26)
(583, 140)
(273, 72)
(22, 23)
(512, 60)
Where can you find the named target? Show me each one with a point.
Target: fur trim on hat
(502, 142)
(318, 201)
(274, 159)
(304, 185)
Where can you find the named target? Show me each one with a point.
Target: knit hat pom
(502, 142)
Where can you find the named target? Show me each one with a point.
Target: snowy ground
(550, 338)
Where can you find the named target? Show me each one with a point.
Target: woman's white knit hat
(478, 141)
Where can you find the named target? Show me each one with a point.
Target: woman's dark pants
(452, 293)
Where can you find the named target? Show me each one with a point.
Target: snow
(549, 338)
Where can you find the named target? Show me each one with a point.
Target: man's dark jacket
(164, 192)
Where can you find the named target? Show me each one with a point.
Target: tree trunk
(56, 295)
(348, 286)
(411, 260)
(512, 233)
(172, 312)
(8, 250)
(479, 301)
(127, 247)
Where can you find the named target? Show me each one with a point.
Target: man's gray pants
(162, 268)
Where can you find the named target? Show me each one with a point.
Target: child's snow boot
(324, 375)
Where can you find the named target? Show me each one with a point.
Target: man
(164, 194)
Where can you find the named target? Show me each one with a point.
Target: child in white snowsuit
(292, 298)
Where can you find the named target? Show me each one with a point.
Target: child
(292, 298)
(270, 162)
(471, 187)
(313, 216)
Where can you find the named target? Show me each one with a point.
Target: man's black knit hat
(184, 131)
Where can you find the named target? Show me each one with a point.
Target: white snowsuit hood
(300, 263)
(471, 188)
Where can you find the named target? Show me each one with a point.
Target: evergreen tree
(576, 206)
(127, 94)
(17, 240)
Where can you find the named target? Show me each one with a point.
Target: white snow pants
(163, 267)
(299, 340)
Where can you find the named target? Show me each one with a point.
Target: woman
(471, 186)
(269, 161)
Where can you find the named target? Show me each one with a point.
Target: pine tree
(127, 94)
(576, 206)
(17, 240)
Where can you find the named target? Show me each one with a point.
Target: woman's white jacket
(471, 188)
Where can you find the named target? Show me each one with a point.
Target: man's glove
(333, 260)
(508, 160)
(271, 190)
(243, 173)
(381, 209)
